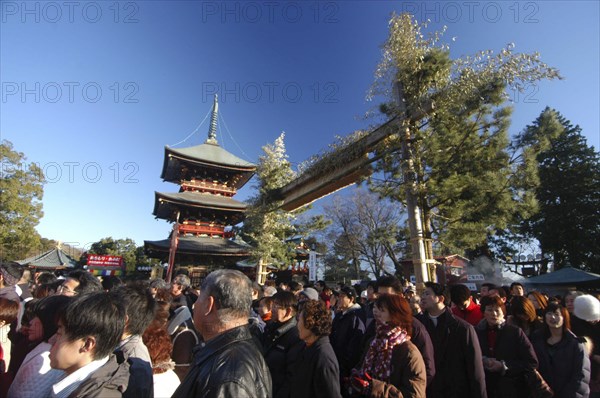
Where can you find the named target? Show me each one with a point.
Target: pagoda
(203, 211)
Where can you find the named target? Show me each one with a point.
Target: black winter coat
(458, 363)
(229, 365)
(316, 374)
(514, 348)
(109, 381)
(347, 333)
(565, 366)
(282, 348)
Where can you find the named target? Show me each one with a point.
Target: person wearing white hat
(585, 324)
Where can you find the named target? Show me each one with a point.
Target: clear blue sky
(93, 91)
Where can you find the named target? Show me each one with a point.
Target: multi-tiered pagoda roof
(203, 210)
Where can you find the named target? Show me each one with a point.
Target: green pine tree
(568, 222)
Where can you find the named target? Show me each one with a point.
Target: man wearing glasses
(79, 282)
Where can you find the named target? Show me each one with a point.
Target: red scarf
(379, 357)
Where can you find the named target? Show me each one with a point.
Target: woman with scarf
(393, 366)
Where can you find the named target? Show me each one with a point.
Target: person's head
(485, 289)
(10, 273)
(79, 282)
(180, 284)
(346, 298)
(493, 310)
(371, 291)
(285, 305)
(111, 282)
(314, 321)
(265, 306)
(460, 295)
(257, 291)
(45, 314)
(89, 329)
(538, 300)
(320, 285)
(139, 307)
(269, 291)
(434, 298)
(393, 310)
(498, 291)
(389, 284)
(45, 277)
(224, 302)
(415, 304)
(296, 287)
(9, 310)
(522, 308)
(307, 294)
(556, 317)
(516, 289)
(570, 299)
(587, 307)
(157, 285)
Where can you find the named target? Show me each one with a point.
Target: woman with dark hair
(393, 365)
(539, 301)
(317, 372)
(281, 344)
(35, 376)
(508, 356)
(564, 363)
(524, 315)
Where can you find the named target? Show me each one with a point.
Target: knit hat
(587, 307)
(269, 291)
(310, 293)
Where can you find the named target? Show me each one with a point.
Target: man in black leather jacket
(228, 363)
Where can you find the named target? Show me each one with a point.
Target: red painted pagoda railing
(208, 186)
(203, 228)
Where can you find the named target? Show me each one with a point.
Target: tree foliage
(470, 182)
(21, 192)
(267, 227)
(568, 175)
(125, 248)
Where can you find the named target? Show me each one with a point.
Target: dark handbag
(538, 386)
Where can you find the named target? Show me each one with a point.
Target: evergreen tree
(21, 192)
(453, 118)
(568, 222)
(266, 227)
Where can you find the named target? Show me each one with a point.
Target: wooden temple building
(203, 211)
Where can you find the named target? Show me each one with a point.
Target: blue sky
(94, 90)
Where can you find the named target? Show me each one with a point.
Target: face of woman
(534, 301)
(569, 301)
(304, 333)
(35, 331)
(381, 314)
(493, 315)
(554, 320)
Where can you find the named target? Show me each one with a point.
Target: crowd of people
(79, 336)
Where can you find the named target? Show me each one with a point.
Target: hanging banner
(312, 266)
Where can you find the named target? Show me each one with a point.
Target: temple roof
(200, 246)
(208, 155)
(166, 204)
(52, 259)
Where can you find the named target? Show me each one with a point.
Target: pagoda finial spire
(212, 130)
